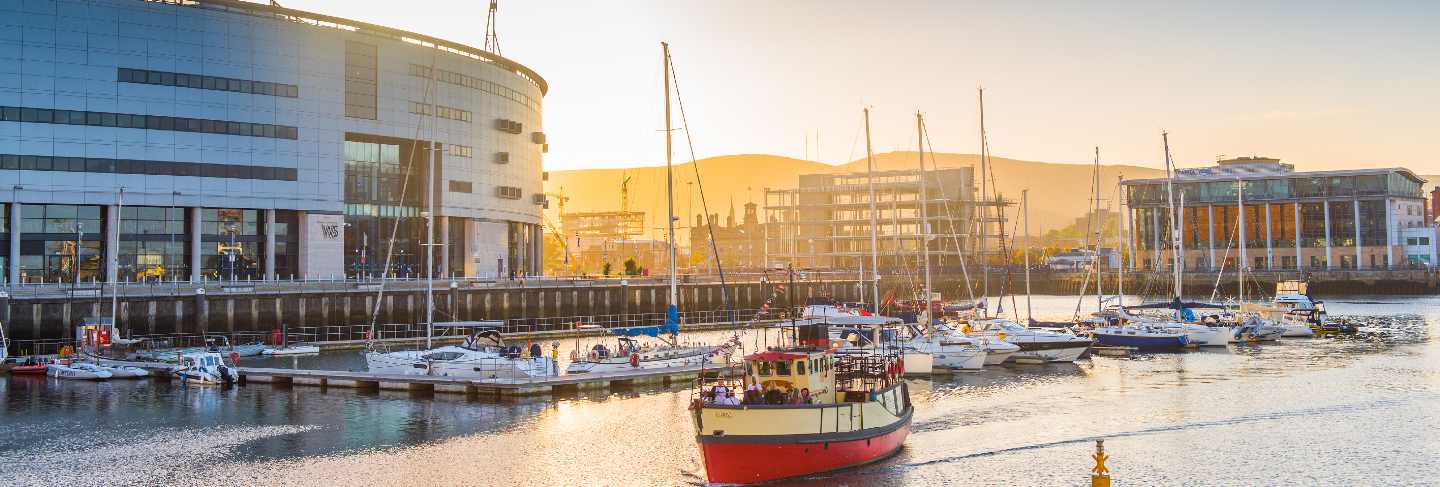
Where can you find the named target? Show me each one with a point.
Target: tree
(606, 270)
(631, 267)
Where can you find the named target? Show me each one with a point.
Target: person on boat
(794, 397)
(805, 396)
(535, 351)
(720, 391)
(752, 394)
(774, 396)
(729, 399)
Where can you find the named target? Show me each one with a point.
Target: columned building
(1287, 220)
(218, 139)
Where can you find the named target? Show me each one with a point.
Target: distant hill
(1058, 192)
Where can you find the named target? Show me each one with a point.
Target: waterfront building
(253, 141)
(825, 221)
(1312, 220)
(741, 243)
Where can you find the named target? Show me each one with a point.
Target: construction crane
(492, 35)
(625, 195)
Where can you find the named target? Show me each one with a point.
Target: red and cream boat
(800, 411)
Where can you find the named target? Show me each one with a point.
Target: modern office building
(219, 139)
(825, 221)
(1316, 220)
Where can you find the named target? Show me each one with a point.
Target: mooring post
(1100, 475)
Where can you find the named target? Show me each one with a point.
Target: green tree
(606, 270)
(631, 267)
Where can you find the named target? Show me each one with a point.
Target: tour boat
(474, 358)
(631, 354)
(1034, 343)
(858, 411)
(206, 368)
(66, 370)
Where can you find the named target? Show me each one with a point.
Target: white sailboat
(474, 358)
(669, 352)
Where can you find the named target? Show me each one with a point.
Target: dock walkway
(472, 386)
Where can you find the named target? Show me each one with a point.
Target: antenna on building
(492, 35)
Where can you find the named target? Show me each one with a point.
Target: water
(1362, 410)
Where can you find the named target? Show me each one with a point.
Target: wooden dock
(537, 386)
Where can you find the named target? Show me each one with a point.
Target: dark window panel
(153, 77)
(107, 119)
(209, 83)
(10, 114)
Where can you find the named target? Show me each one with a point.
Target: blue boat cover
(671, 326)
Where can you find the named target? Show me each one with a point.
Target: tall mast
(1099, 277)
(115, 285)
(430, 220)
(1240, 218)
(1120, 241)
(1174, 225)
(874, 228)
(924, 214)
(669, 182)
(984, 209)
(1025, 213)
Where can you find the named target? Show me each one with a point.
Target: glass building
(218, 139)
(1286, 220)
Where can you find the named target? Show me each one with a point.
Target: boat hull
(1068, 351)
(1142, 341)
(745, 461)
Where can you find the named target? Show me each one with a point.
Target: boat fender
(235, 357)
(634, 360)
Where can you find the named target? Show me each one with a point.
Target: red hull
(28, 370)
(746, 463)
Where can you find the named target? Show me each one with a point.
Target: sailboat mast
(984, 201)
(430, 228)
(1099, 226)
(1240, 218)
(1120, 241)
(115, 285)
(874, 228)
(924, 215)
(1025, 214)
(669, 181)
(1174, 225)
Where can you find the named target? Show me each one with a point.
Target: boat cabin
(782, 375)
(200, 360)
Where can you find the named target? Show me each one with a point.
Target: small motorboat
(119, 371)
(63, 370)
(206, 368)
(298, 349)
(28, 365)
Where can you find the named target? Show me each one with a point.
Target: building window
(439, 111)
(474, 83)
(186, 80)
(508, 192)
(48, 243)
(231, 244)
(149, 122)
(380, 202)
(287, 244)
(460, 186)
(458, 150)
(153, 244)
(361, 80)
(136, 166)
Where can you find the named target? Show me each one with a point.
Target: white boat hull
(412, 362)
(1208, 336)
(952, 360)
(1070, 354)
(71, 373)
(294, 350)
(1296, 330)
(715, 356)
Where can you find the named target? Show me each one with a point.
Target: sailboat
(948, 350)
(669, 353)
(483, 354)
(1122, 329)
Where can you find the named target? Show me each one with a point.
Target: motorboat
(1253, 328)
(115, 371)
(948, 353)
(1034, 343)
(997, 351)
(207, 368)
(483, 355)
(798, 414)
(1141, 336)
(631, 354)
(75, 371)
(297, 349)
(1298, 314)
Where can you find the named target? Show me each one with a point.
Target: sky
(1320, 84)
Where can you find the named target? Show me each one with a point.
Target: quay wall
(1322, 283)
(38, 320)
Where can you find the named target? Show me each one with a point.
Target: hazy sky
(1320, 84)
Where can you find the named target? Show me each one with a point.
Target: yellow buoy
(1100, 475)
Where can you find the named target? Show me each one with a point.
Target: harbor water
(1360, 410)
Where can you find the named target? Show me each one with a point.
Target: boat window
(442, 356)
(782, 368)
(764, 368)
(799, 367)
(749, 369)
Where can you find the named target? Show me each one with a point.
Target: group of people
(720, 395)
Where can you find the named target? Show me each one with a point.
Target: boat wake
(151, 459)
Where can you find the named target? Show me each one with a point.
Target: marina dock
(537, 386)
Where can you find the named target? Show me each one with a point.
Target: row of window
(361, 80)
(440, 111)
(509, 192)
(151, 122)
(201, 82)
(458, 150)
(460, 186)
(137, 166)
(476, 84)
(1283, 188)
